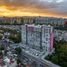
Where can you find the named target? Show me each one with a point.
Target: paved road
(27, 57)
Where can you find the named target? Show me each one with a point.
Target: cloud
(50, 7)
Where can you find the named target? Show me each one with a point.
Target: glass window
(46, 39)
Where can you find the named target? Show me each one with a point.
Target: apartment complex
(60, 35)
(50, 20)
(31, 20)
(38, 37)
(10, 20)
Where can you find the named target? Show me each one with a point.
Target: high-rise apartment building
(39, 37)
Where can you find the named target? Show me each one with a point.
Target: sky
(50, 8)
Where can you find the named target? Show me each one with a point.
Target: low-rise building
(60, 35)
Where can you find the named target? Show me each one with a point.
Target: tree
(60, 56)
(1, 48)
(18, 61)
(18, 50)
(16, 39)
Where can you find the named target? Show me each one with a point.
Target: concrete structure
(60, 35)
(64, 36)
(38, 37)
(37, 43)
(29, 57)
(10, 20)
(50, 20)
(30, 20)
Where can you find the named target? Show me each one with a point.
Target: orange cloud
(10, 11)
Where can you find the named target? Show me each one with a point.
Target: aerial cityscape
(33, 33)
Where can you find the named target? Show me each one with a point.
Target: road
(28, 58)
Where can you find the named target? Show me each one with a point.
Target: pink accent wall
(51, 40)
(30, 28)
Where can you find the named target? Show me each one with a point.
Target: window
(46, 48)
(46, 39)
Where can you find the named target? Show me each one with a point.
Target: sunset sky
(50, 8)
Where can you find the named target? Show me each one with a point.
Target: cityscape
(33, 33)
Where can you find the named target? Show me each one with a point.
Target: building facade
(60, 35)
(38, 37)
